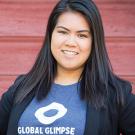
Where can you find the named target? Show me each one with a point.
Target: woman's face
(71, 41)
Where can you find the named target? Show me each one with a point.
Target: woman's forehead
(73, 20)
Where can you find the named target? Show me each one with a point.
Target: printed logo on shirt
(46, 120)
(40, 113)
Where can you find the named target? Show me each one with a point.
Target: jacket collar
(92, 120)
(18, 110)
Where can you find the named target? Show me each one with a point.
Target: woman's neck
(67, 77)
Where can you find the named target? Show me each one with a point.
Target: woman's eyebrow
(69, 30)
(63, 28)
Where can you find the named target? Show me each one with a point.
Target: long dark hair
(97, 75)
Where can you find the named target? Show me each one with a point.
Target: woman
(71, 88)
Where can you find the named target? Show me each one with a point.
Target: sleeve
(127, 114)
(6, 103)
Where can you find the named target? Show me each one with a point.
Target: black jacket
(104, 121)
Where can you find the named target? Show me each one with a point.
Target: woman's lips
(68, 52)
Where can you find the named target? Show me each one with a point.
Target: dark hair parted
(97, 75)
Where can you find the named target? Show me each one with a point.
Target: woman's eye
(82, 36)
(62, 32)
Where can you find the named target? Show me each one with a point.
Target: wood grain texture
(17, 56)
(122, 53)
(29, 18)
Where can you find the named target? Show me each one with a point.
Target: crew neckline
(65, 85)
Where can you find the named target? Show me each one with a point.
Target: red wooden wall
(22, 29)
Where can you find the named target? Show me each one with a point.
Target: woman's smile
(69, 54)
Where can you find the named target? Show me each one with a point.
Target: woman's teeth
(70, 52)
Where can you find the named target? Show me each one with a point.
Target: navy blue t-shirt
(62, 112)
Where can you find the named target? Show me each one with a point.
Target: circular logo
(39, 114)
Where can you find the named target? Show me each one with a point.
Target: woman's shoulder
(11, 90)
(19, 79)
(119, 91)
(121, 85)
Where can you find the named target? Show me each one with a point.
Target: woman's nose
(71, 41)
